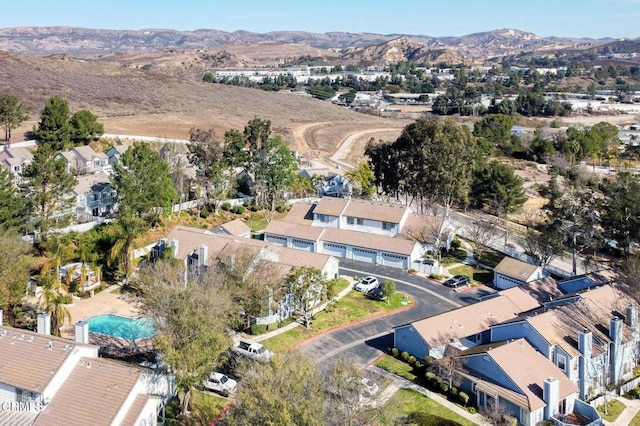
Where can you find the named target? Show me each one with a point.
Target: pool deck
(108, 301)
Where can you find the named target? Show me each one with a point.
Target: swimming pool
(124, 328)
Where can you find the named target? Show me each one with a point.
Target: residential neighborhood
(260, 226)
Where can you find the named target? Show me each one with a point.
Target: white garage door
(335, 249)
(302, 245)
(281, 241)
(394, 260)
(363, 255)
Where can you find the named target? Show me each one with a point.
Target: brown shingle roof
(515, 268)
(373, 210)
(300, 213)
(472, 319)
(293, 230)
(93, 394)
(530, 380)
(29, 360)
(135, 410)
(236, 227)
(331, 206)
(370, 241)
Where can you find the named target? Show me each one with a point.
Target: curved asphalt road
(363, 342)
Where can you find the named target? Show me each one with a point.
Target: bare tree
(483, 232)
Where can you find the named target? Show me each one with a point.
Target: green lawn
(407, 401)
(615, 409)
(353, 307)
(478, 276)
(453, 257)
(395, 366)
(491, 257)
(635, 421)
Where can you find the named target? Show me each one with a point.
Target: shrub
(633, 393)
(226, 206)
(412, 271)
(463, 398)
(412, 360)
(204, 214)
(238, 209)
(66, 299)
(444, 387)
(429, 375)
(455, 244)
(428, 360)
(471, 410)
(405, 356)
(258, 329)
(453, 391)
(418, 364)
(73, 286)
(395, 352)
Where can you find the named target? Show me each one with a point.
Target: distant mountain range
(92, 42)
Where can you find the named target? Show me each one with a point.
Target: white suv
(218, 382)
(367, 284)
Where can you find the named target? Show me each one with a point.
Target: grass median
(353, 307)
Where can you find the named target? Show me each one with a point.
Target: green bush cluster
(455, 244)
(257, 329)
(633, 394)
(238, 209)
(226, 206)
(405, 356)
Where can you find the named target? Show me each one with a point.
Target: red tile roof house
(198, 248)
(47, 380)
(367, 231)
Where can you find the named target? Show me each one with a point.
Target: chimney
(632, 317)
(44, 323)
(585, 346)
(174, 244)
(551, 396)
(82, 332)
(615, 330)
(615, 354)
(203, 254)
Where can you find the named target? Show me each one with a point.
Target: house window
(478, 337)
(387, 225)
(562, 362)
(355, 220)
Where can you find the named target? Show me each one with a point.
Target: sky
(437, 18)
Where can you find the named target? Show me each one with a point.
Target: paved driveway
(364, 342)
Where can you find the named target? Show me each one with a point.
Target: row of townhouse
(538, 349)
(95, 197)
(48, 380)
(367, 231)
(200, 249)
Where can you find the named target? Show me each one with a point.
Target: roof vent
(49, 345)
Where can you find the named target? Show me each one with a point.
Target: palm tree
(122, 250)
(53, 303)
(57, 250)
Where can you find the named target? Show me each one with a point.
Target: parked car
(220, 383)
(457, 281)
(367, 284)
(376, 294)
(252, 350)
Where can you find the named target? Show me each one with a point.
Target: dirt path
(344, 149)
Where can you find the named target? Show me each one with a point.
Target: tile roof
(513, 356)
(236, 227)
(371, 241)
(28, 360)
(136, 409)
(475, 318)
(91, 183)
(294, 230)
(331, 206)
(515, 268)
(300, 213)
(374, 210)
(93, 394)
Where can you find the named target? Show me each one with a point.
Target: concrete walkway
(469, 260)
(402, 383)
(633, 407)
